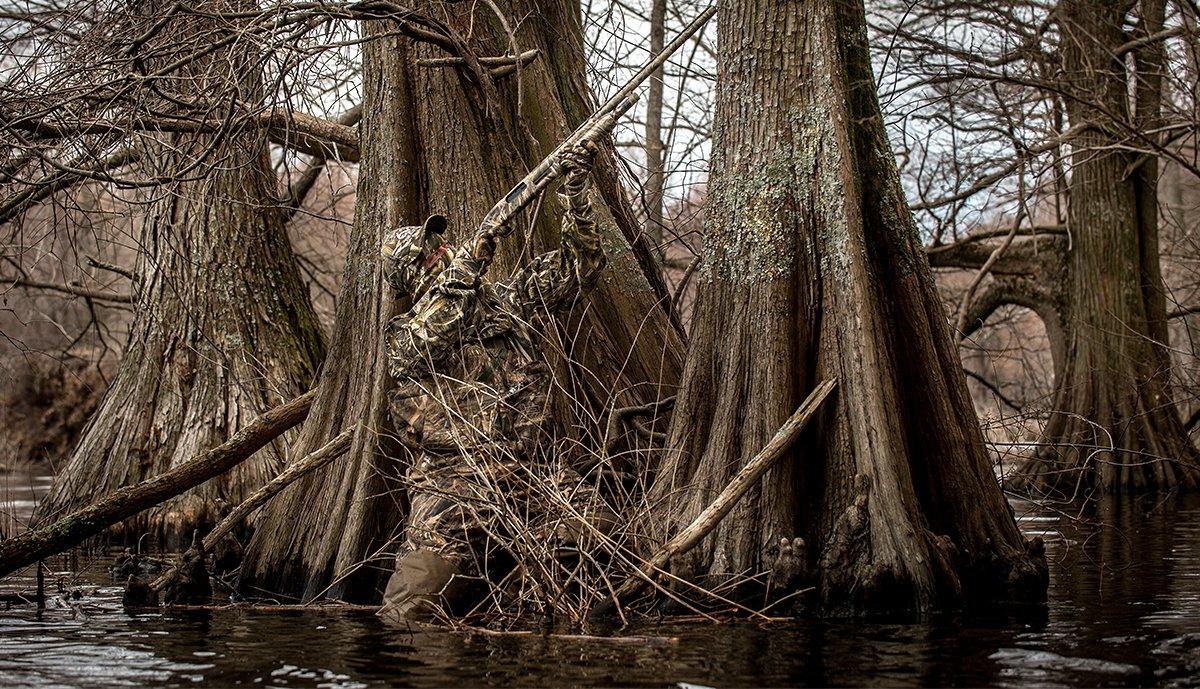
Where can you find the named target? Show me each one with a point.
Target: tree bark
(813, 270)
(224, 328)
(1114, 427)
(444, 139)
(314, 536)
(625, 342)
(718, 509)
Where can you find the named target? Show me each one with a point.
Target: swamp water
(1124, 610)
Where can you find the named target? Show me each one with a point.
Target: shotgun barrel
(496, 222)
(600, 124)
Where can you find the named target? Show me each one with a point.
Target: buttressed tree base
(813, 270)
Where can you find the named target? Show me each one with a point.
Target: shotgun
(497, 222)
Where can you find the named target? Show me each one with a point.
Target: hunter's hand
(578, 161)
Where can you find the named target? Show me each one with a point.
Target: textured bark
(224, 328)
(728, 498)
(315, 533)
(625, 340)
(813, 270)
(437, 139)
(1115, 427)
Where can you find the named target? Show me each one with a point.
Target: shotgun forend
(496, 222)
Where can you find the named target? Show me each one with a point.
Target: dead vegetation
(44, 408)
(985, 149)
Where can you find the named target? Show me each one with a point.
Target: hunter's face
(414, 256)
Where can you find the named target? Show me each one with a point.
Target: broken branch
(712, 515)
(324, 455)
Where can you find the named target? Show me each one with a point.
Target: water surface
(1124, 610)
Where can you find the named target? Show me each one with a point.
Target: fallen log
(84, 523)
(712, 515)
(324, 455)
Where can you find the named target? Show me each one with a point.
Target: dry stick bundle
(324, 455)
(724, 503)
(82, 524)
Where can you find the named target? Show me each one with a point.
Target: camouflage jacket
(469, 376)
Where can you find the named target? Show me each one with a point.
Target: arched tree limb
(1034, 250)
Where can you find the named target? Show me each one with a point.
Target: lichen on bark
(821, 276)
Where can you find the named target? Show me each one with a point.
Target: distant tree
(1094, 276)
(655, 163)
(1114, 425)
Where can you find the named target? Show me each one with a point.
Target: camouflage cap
(414, 254)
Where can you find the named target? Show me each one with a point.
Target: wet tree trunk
(1114, 427)
(813, 270)
(438, 139)
(224, 328)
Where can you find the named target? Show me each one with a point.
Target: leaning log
(82, 524)
(327, 453)
(712, 515)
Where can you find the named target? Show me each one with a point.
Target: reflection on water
(1124, 610)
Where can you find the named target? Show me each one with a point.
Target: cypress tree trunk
(438, 142)
(332, 519)
(1115, 426)
(224, 328)
(624, 343)
(813, 269)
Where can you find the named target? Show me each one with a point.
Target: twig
(964, 306)
(72, 290)
(58, 180)
(498, 66)
(113, 268)
(681, 288)
(624, 414)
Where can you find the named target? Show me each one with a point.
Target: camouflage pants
(464, 513)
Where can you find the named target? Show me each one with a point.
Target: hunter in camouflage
(472, 398)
